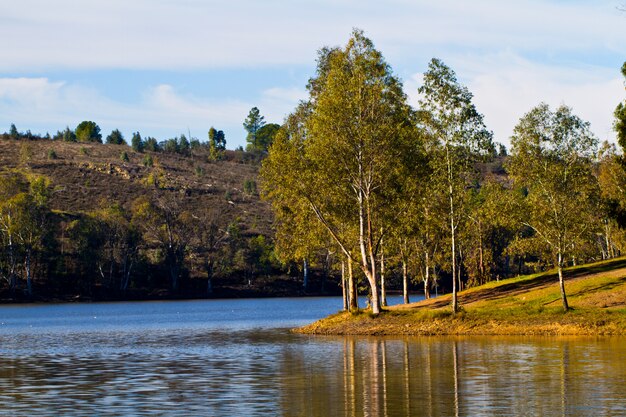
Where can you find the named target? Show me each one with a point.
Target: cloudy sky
(166, 67)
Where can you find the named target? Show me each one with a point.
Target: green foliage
(183, 145)
(620, 118)
(115, 138)
(249, 187)
(341, 163)
(171, 145)
(136, 143)
(52, 154)
(151, 144)
(13, 133)
(26, 153)
(66, 135)
(83, 151)
(124, 156)
(148, 161)
(253, 123)
(199, 171)
(264, 138)
(88, 131)
(552, 158)
(217, 144)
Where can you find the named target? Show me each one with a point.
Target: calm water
(236, 357)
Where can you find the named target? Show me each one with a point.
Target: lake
(237, 358)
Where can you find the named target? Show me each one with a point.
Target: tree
(459, 135)
(551, 158)
(217, 143)
(23, 222)
(266, 135)
(184, 148)
(115, 138)
(66, 135)
(151, 144)
(348, 151)
(252, 124)
(88, 131)
(136, 142)
(620, 118)
(13, 133)
(166, 225)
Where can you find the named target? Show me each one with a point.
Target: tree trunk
(29, 282)
(480, 255)
(368, 258)
(209, 277)
(562, 283)
(383, 291)
(344, 292)
(405, 283)
(455, 301)
(352, 288)
(427, 276)
(305, 272)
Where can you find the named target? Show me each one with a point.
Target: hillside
(85, 174)
(87, 178)
(527, 305)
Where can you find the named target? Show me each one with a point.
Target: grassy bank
(528, 305)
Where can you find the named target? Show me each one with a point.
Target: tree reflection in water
(460, 377)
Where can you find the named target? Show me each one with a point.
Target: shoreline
(522, 306)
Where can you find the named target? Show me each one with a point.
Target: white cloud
(173, 34)
(43, 105)
(506, 86)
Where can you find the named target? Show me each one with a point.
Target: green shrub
(148, 161)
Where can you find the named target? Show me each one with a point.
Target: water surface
(237, 357)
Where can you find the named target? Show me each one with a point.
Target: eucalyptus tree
(458, 136)
(551, 158)
(349, 154)
(620, 117)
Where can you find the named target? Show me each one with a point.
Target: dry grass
(529, 305)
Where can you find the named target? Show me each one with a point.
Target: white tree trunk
(405, 283)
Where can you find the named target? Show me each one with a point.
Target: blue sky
(166, 67)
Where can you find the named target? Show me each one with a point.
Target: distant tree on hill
(252, 124)
(151, 144)
(136, 142)
(115, 138)
(88, 131)
(66, 135)
(217, 143)
(13, 133)
(170, 145)
(183, 145)
(266, 135)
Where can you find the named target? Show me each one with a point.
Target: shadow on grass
(527, 284)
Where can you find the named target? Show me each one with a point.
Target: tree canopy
(88, 131)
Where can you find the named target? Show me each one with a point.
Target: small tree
(266, 135)
(13, 133)
(88, 131)
(217, 144)
(115, 138)
(136, 142)
(252, 124)
(184, 148)
(151, 144)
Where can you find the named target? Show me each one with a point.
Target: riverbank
(528, 305)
